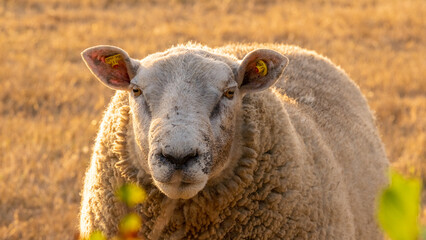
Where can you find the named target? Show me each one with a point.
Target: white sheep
(223, 155)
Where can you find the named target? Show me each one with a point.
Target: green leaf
(130, 224)
(423, 233)
(97, 235)
(399, 207)
(131, 194)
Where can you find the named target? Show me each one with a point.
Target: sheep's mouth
(182, 189)
(178, 182)
(184, 182)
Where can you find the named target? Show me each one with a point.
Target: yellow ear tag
(113, 60)
(261, 67)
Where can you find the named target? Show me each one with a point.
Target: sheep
(278, 145)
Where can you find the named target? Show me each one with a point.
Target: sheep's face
(184, 106)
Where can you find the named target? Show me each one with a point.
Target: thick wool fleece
(311, 165)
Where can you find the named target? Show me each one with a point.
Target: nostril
(190, 156)
(178, 160)
(167, 156)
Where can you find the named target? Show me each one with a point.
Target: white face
(184, 106)
(184, 109)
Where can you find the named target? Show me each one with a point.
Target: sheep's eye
(229, 93)
(137, 92)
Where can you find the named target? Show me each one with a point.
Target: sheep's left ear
(111, 65)
(260, 69)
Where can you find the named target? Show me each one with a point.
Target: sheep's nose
(179, 161)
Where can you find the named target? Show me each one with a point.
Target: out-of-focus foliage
(399, 206)
(130, 225)
(131, 194)
(423, 233)
(97, 235)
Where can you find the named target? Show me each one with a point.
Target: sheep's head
(184, 105)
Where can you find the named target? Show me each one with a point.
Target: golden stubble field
(50, 104)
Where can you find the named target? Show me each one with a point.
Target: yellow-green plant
(129, 226)
(130, 194)
(97, 235)
(399, 207)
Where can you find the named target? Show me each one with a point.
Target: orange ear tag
(261, 67)
(113, 60)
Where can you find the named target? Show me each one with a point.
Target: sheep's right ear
(111, 65)
(260, 69)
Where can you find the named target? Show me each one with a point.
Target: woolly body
(307, 164)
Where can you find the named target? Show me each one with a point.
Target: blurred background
(51, 106)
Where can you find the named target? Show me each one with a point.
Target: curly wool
(248, 203)
(305, 170)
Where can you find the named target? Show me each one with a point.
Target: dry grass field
(50, 104)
